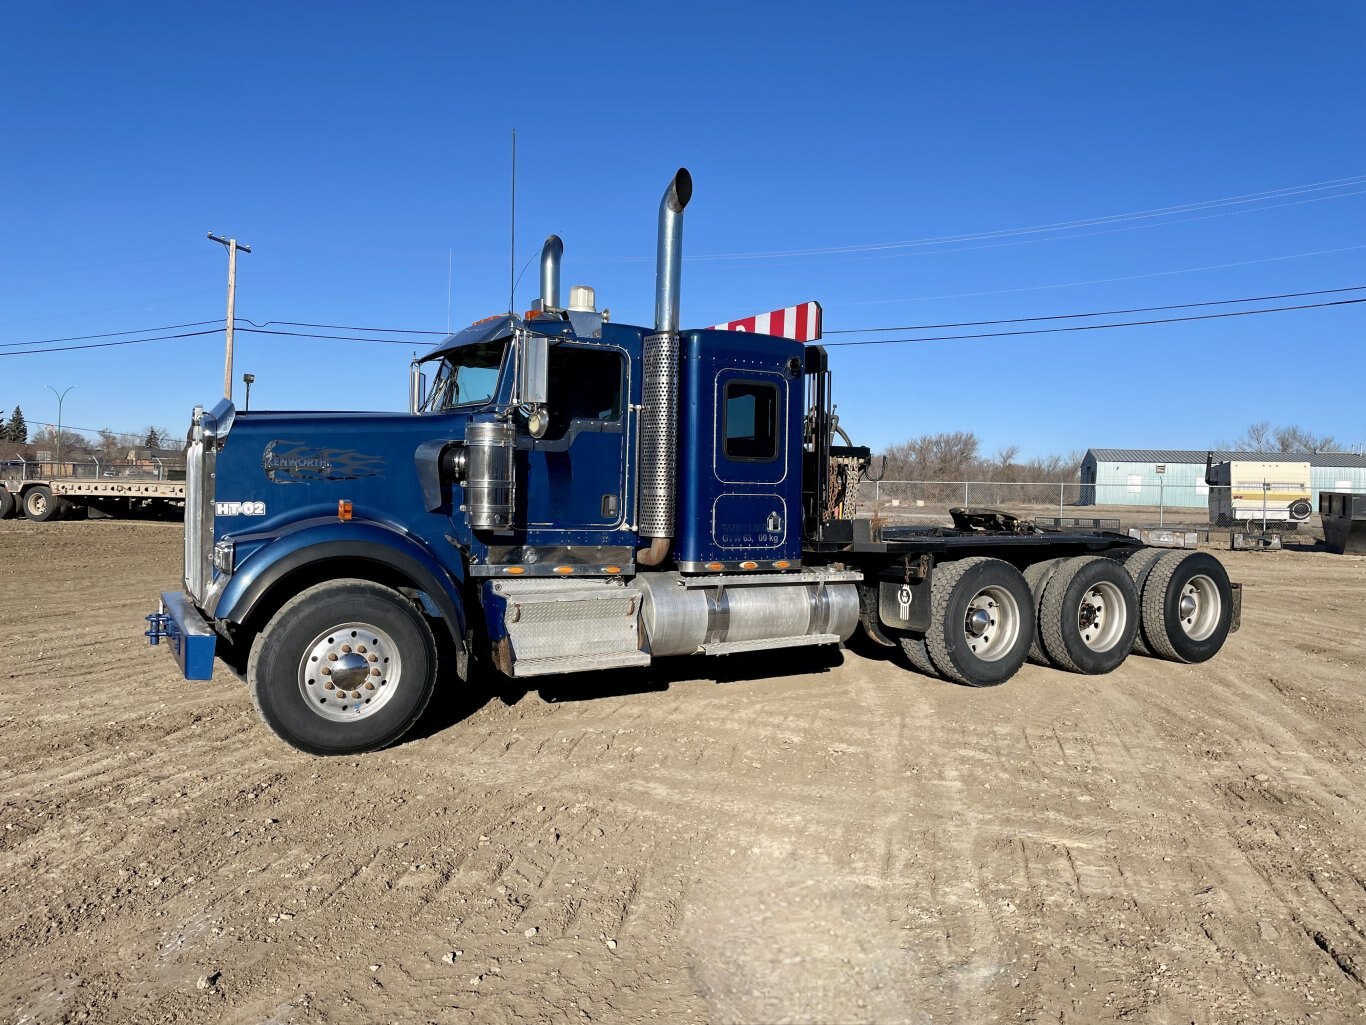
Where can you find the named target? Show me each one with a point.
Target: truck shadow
(455, 701)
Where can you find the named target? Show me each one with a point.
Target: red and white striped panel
(801, 323)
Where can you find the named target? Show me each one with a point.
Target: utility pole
(59, 420)
(232, 246)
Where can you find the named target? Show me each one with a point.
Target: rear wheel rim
(1102, 615)
(350, 672)
(1199, 607)
(991, 623)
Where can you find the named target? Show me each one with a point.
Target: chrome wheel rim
(1102, 616)
(1199, 607)
(349, 672)
(991, 624)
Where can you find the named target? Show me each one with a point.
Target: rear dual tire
(41, 505)
(981, 624)
(1089, 614)
(1187, 606)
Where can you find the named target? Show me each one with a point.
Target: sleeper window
(751, 421)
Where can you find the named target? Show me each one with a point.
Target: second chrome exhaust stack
(659, 418)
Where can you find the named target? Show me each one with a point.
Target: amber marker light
(749, 565)
(344, 510)
(716, 565)
(784, 564)
(611, 569)
(516, 571)
(564, 570)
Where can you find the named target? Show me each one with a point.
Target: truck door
(750, 462)
(575, 472)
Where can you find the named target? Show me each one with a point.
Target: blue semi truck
(574, 495)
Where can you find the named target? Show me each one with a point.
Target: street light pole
(247, 379)
(59, 417)
(232, 246)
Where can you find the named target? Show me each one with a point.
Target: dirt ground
(817, 839)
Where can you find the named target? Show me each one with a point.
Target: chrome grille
(198, 518)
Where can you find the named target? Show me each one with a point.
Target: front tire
(344, 667)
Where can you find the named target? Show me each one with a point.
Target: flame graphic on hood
(302, 464)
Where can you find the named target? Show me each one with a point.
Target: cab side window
(584, 384)
(751, 421)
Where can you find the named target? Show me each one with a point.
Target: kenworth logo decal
(300, 464)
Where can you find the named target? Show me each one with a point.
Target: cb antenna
(512, 252)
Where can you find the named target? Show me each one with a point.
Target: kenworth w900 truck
(574, 495)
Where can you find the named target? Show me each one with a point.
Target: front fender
(312, 542)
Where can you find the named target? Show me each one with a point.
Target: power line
(107, 345)
(1101, 313)
(937, 240)
(338, 338)
(1097, 327)
(112, 334)
(1101, 281)
(344, 327)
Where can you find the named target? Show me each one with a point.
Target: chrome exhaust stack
(659, 418)
(551, 252)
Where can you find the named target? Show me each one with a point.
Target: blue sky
(363, 150)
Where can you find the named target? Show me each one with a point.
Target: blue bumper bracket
(184, 628)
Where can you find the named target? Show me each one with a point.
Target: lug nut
(326, 670)
(375, 671)
(328, 685)
(332, 657)
(346, 649)
(356, 694)
(360, 648)
(369, 686)
(374, 658)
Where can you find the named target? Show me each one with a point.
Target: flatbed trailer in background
(55, 497)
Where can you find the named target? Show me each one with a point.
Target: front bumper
(189, 634)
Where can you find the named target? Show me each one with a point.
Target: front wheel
(344, 667)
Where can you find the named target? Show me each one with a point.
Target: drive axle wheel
(981, 621)
(1187, 607)
(344, 667)
(1139, 565)
(1037, 576)
(1089, 615)
(7, 503)
(913, 647)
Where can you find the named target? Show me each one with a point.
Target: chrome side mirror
(532, 369)
(417, 388)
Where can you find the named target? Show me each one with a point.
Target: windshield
(467, 375)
